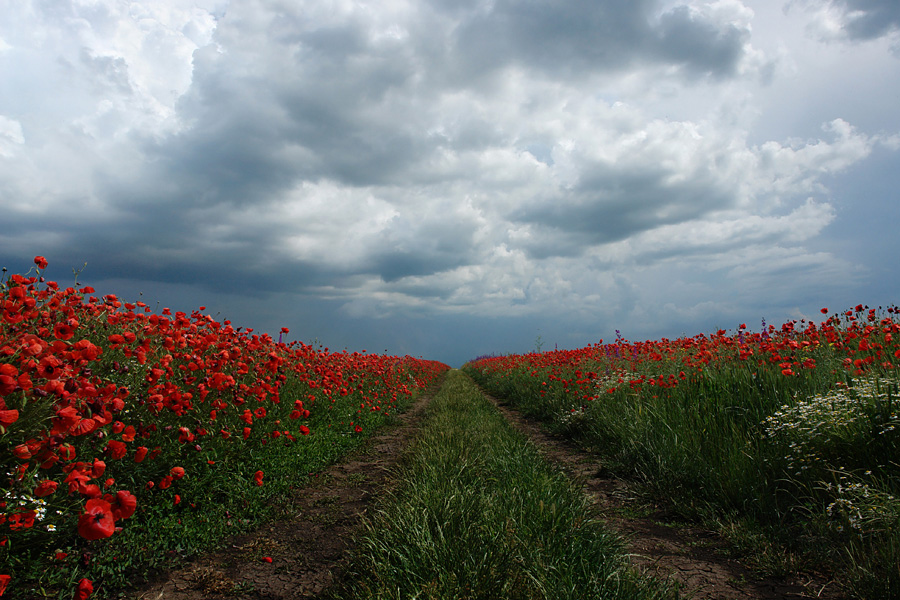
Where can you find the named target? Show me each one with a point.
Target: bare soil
(694, 557)
(309, 549)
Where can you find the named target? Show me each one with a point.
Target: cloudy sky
(450, 178)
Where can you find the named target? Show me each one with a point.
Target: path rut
(693, 557)
(310, 549)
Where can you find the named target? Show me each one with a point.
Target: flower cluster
(105, 403)
(817, 430)
(860, 509)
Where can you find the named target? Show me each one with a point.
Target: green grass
(477, 513)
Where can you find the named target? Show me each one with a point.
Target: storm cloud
(398, 173)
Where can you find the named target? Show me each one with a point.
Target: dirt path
(308, 551)
(694, 557)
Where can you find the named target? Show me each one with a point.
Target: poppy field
(786, 439)
(130, 438)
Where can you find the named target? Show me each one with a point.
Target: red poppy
(128, 434)
(304, 430)
(97, 522)
(90, 491)
(49, 367)
(22, 451)
(76, 480)
(61, 556)
(123, 505)
(84, 590)
(84, 427)
(140, 454)
(41, 262)
(4, 581)
(8, 383)
(45, 488)
(165, 483)
(98, 468)
(116, 449)
(258, 478)
(22, 519)
(63, 331)
(8, 417)
(66, 452)
(177, 473)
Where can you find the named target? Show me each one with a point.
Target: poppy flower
(41, 262)
(84, 427)
(116, 449)
(84, 590)
(8, 383)
(98, 468)
(97, 522)
(177, 473)
(45, 488)
(21, 520)
(140, 454)
(123, 505)
(8, 417)
(304, 430)
(63, 331)
(4, 581)
(258, 478)
(48, 368)
(90, 491)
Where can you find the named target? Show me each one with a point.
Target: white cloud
(11, 136)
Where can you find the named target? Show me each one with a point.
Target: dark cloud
(869, 19)
(612, 203)
(700, 45)
(581, 37)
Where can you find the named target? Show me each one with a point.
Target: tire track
(309, 550)
(694, 557)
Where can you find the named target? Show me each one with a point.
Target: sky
(454, 178)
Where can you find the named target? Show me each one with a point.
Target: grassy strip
(479, 514)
